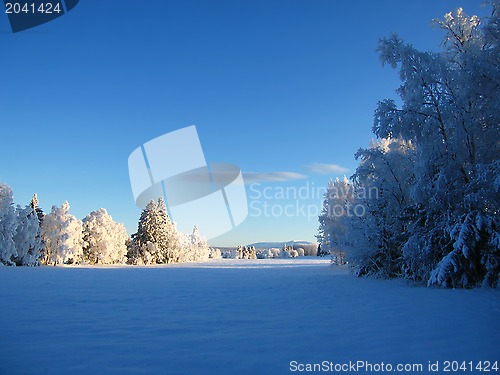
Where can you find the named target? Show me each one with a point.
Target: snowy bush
(475, 255)
(321, 251)
(246, 252)
(250, 252)
(310, 249)
(288, 252)
(275, 252)
(242, 252)
(230, 254)
(264, 254)
(214, 253)
(339, 258)
(260, 254)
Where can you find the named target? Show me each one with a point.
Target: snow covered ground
(232, 317)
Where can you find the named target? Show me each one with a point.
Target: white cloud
(319, 168)
(201, 175)
(251, 177)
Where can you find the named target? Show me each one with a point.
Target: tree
(34, 205)
(450, 113)
(198, 247)
(382, 181)
(40, 215)
(28, 238)
(193, 247)
(338, 205)
(8, 225)
(434, 165)
(104, 239)
(214, 253)
(156, 240)
(344, 226)
(62, 235)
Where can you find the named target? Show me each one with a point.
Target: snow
(231, 317)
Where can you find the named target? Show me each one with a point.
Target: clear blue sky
(273, 86)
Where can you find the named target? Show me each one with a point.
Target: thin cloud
(204, 176)
(319, 168)
(252, 177)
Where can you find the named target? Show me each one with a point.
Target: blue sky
(272, 86)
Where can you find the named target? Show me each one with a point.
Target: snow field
(231, 317)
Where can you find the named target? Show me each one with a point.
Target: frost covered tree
(20, 231)
(28, 239)
(450, 113)
(214, 253)
(197, 247)
(8, 226)
(434, 164)
(104, 239)
(382, 181)
(320, 251)
(34, 205)
(343, 227)
(338, 205)
(193, 247)
(63, 237)
(156, 240)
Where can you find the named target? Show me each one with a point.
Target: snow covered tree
(104, 239)
(198, 247)
(338, 205)
(186, 252)
(34, 205)
(62, 235)
(138, 251)
(343, 221)
(214, 253)
(28, 238)
(383, 182)
(247, 252)
(434, 165)
(8, 225)
(320, 252)
(450, 113)
(157, 239)
(274, 252)
(40, 215)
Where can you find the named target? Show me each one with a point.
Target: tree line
(29, 237)
(433, 170)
